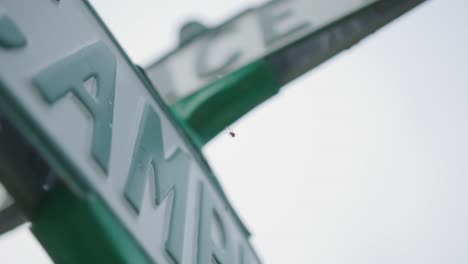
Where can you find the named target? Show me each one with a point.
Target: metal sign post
(217, 75)
(132, 186)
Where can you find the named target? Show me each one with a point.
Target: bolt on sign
(290, 36)
(74, 94)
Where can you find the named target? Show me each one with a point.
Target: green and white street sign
(218, 74)
(68, 87)
(246, 38)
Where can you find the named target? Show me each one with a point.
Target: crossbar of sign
(303, 31)
(225, 49)
(105, 131)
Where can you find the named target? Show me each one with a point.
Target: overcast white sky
(361, 161)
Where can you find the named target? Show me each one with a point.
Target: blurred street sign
(243, 39)
(216, 75)
(71, 91)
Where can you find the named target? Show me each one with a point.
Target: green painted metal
(211, 109)
(77, 230)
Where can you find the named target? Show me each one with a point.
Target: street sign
(68, 87)
(216, 75)
(248, 37)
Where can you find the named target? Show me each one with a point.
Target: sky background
(362, 160)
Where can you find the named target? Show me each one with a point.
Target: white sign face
(73, 92)
(243, 40)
